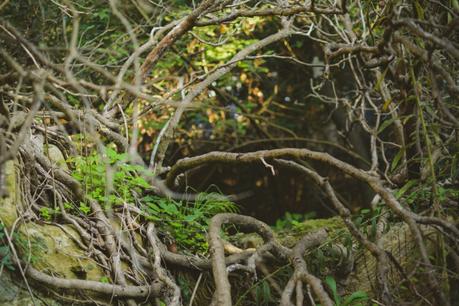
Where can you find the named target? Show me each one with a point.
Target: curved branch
(299, 264)
(223, 287)
(98, 287)
(370, 178)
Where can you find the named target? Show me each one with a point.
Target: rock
(15, 293)
(49, 248)
(399, 242)
(8, 213)
(56, 157)
(52, 250)
(8, 290)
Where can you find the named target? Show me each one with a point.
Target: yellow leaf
(386, 104)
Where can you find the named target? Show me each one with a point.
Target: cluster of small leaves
(93, 172)
(185, 221)
(419, 194)
(367, 220)
(47, 213)
(292, 220)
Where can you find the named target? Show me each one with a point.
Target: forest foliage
(328, 129)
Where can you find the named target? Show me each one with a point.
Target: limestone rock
(8, 213)
(52, 250)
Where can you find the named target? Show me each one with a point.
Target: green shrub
(187, 221)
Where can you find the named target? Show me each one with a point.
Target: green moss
(289, 237)
(334, 227)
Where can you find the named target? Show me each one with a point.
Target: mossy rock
(49, 248)
(52, 250)
(13, 292)
(55, 156)
(334, 226)
(8, 208)
(289, 237)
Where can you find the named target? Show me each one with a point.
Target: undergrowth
(112, 181)
(186, 221)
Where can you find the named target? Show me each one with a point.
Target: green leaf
(190, 218)
(385, 124)
(405, 188)
(85, 209)
(358, 296)
(154, 207)
(105, 280)
(381, 78)
(111, 154)
(419, 10)
(331, 283)
(168, 208)
(140, 182)
(396, 160)
(455, 4)
(149, 198)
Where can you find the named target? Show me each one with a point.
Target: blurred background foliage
(264, 103)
